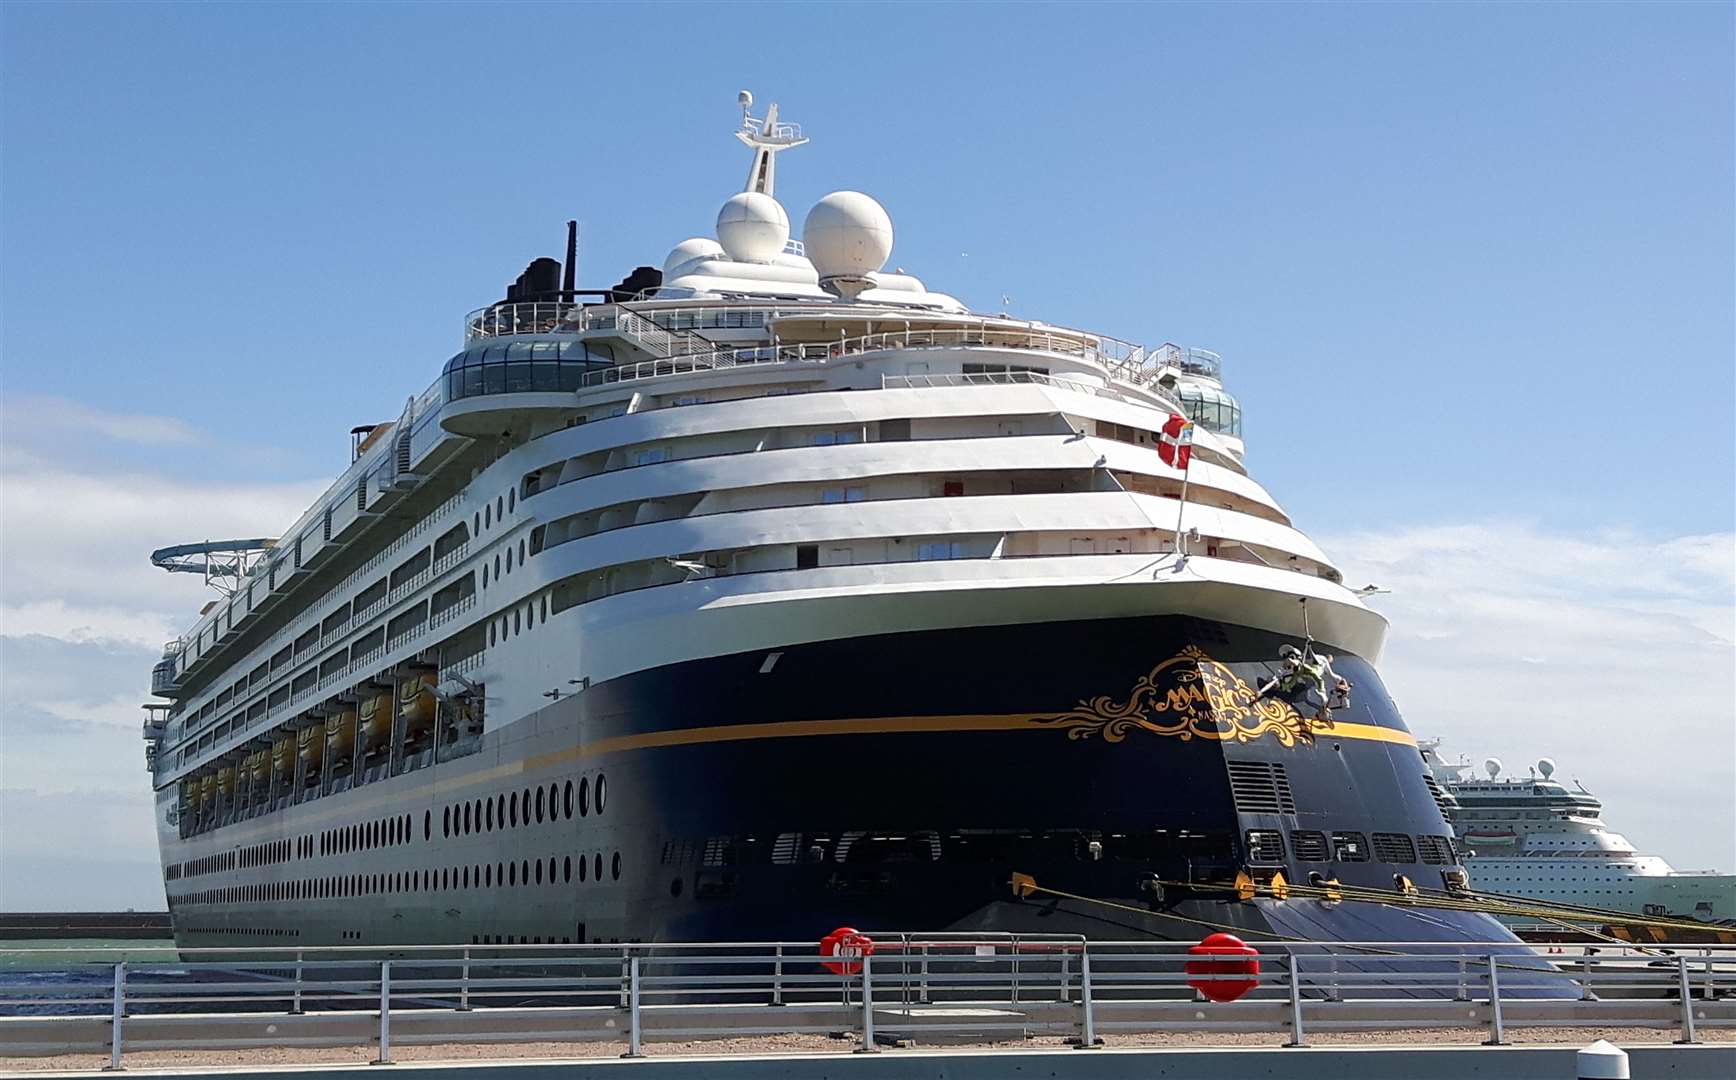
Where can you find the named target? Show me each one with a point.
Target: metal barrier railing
(908, 986)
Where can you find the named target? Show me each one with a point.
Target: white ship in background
(1531, 836)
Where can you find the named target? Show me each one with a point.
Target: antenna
(766, 138)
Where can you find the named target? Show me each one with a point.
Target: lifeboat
(416, 704)
(283, 755)
(377, 721)
(208, 791)
(259, 765)
(340, 733)
(311, 743)
(226, 781)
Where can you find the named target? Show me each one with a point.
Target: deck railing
(970, 987)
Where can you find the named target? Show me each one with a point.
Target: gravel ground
(811, 1044)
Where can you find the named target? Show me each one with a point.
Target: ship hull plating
(895, 781)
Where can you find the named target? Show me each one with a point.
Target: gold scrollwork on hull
(1188, 696)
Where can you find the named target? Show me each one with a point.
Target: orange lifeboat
(283, 756)
(416, 704)
(340, 733)
(377, 720)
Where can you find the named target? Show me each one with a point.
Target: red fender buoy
(1237, 958)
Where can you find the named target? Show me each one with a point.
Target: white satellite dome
(1492, 766)
(753, 227)
(847, 235)
(699, 247)
(1546, 767)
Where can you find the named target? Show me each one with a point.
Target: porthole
(466, 819)
(488, 875)
(602, 791)
(509, 560)
(539, 806)
(521, 552)
(675, 887)
(491, 633)
(615, 866)
(488, 815)
(512, 809)
(475, 524)
(551, 869)
(597, 866)
(567, 799)
(499, 507)
(567, 868)
(545, 609)
(583, 867)
(584, 795)
(515, 622)
(485, 575)
(497, 564)
(512, 499)
(539, 869)
(446, 823)
(511, 874)
(487, 516)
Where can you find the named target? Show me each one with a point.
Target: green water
(55, 953)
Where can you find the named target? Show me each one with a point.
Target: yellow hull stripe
(883, 725)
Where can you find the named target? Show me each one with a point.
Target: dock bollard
(1601, 1061)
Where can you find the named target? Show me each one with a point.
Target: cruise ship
(1531, 836)
(770, 590)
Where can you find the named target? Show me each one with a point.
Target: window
(836, 438)
(615, 866)
(584, 795)
(512, 809)
(651, 455)
(539, 806)
(500, 507)
(602, 791)
(940, 549)
(843, 494)
(511, 499)
(952, 487)
(807, 556)
(597, 865)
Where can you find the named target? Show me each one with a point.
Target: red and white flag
(1175, 441)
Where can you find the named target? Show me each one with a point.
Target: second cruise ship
(771, 590)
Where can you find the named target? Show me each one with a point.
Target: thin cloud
(35, 421)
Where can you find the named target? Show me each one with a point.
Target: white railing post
(1687, 993)
(635, 1044)
(868, 1046)
(117, 1022)
(464, 982)
(295, 995)
(1296, 1034)
(778, 977)
(1464, 981)
(385, 1055)
(1088, 1019)
(1497, 1031)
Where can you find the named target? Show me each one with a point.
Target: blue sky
(1469, 266)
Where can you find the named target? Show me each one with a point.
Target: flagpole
(1181, 505)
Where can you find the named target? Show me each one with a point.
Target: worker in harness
(1304, 678)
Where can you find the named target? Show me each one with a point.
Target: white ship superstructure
(770, 590)
(1532, 836)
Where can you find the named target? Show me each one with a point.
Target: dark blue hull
(901, 781)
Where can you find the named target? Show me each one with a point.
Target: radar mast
(766, 138)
